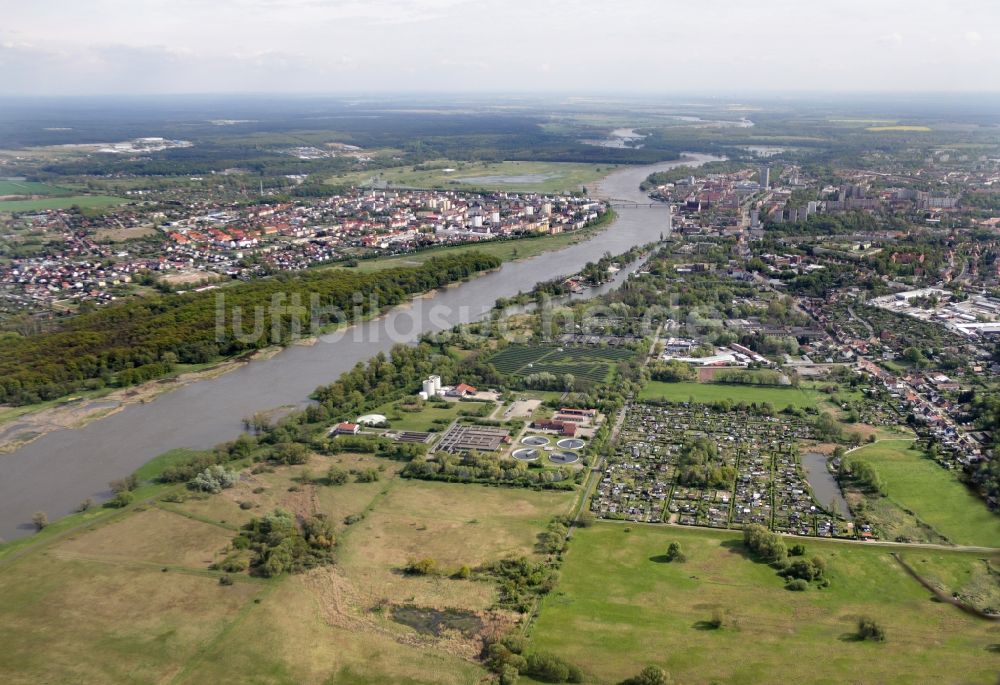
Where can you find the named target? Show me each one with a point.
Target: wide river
(62, 468)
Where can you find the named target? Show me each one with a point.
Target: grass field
(451, 523)
(972, 578)
(592, 364)
(31, 188)
(932, 493)
(101, 614)
(422, 420)
(128, 597)
(617, 609)
(83, 201)
(551, 177)
(715, 392)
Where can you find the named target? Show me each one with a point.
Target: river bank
(73, 413)
(55, 471)
(21, 425)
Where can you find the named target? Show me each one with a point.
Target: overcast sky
(591, 46)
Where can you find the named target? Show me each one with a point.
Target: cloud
(895, 38)
(125, 46)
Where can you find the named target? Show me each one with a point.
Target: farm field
(918, 484)
(551, 177)
(715, 392)
(84, 201)
(31, 188)
(618, 608)
(593, 364)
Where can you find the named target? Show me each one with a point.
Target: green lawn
(714, 392)
(551, 177)
(422, 420)
(84, 201)
(618, 608)
(932, 493)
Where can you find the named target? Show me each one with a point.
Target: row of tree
(142, 339)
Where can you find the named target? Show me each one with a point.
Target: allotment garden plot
(587, 363)
(696, 465)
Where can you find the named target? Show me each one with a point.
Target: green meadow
(83, 201)
(934, 495)
(618, 607)
(780, 397)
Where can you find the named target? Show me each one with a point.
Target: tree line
(143, 339)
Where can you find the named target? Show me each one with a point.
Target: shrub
(868, 629)
(130, 482)
(290, 453)
(509, 675)
(225, 580)
(214, 479)
(246, 505)
(281, 547)
(514, 642)
(40, 519)
(797, 550)
(803, 569)
(336, 476)
(233, 565)
(122, 499)
(546, 667)
(797, 585)
(421, 567)
(366, 476)
(651, 675)
(674, 553)
(762, 542)
(85, 504)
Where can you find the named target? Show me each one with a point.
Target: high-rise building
(765, 177)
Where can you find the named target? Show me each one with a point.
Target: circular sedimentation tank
(571, 443)
(525, 454)
(564, 457)
(535, 440)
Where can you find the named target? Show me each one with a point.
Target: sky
(97, 47)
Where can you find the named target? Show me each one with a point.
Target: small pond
(825, 487)
(437, 621)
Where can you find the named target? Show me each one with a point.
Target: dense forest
(143, 339)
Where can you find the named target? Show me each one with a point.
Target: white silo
(428, 387)
(436, 380)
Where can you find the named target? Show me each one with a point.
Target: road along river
(60, 469)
